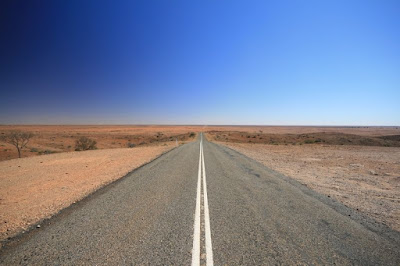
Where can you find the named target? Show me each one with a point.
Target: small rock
(38, 226)
(372, 172)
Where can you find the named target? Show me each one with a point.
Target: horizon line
(203, 125)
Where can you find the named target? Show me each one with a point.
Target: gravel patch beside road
(38, 187)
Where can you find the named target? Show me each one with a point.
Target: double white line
(197, 216)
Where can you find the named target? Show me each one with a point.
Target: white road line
(196, 234)
(197, 216)
(209, 251)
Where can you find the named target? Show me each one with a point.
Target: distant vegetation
(331, 138)
(85, 143)
(46, 152)
(19, 139)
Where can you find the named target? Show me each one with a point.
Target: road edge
(32, 229)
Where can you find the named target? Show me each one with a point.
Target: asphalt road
(253, 215)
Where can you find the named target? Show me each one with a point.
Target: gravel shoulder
(366, 179)
(36, 188)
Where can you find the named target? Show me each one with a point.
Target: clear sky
(200, 62)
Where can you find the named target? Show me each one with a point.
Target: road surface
(205, 204)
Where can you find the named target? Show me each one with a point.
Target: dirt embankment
(365, 178)
(38, 187)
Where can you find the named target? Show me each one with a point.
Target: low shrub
(131, 145)
(85, 143)
(46, 152)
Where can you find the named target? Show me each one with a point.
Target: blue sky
(200, 62)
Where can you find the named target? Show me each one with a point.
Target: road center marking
(209, 252)
(196, 234)
(197, 218)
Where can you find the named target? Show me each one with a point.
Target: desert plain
(357, 166)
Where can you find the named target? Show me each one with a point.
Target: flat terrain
(257, 217)
(360, 130)
(347, 198)
(53, 139)
(331, 136)
(38, 187)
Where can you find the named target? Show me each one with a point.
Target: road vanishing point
(205, 204)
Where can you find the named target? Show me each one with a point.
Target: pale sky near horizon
(331, 62)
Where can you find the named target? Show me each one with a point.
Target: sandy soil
(38, 187)
(364, 178)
